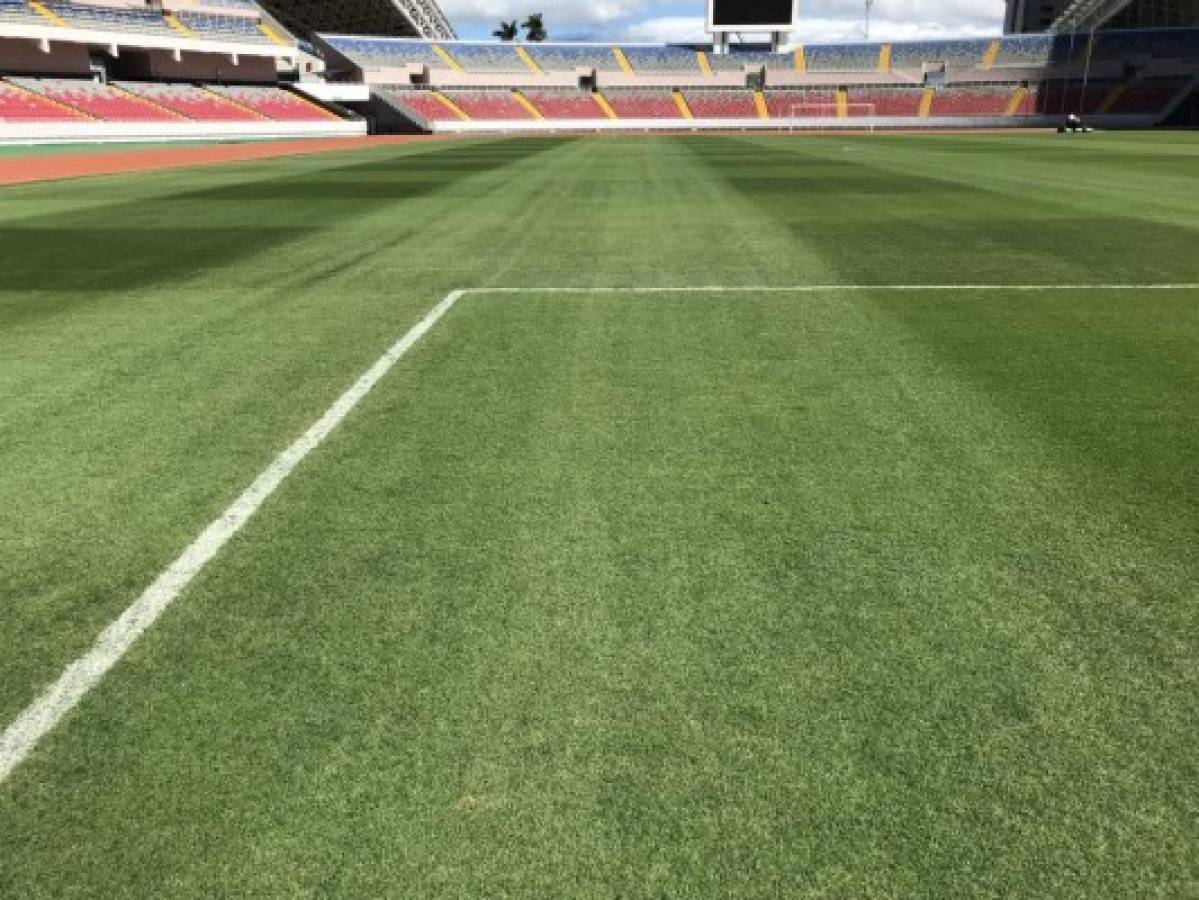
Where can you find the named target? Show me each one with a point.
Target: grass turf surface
(839, 594)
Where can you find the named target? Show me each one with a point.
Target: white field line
(41, 716)
(85, 673)
(827, 288)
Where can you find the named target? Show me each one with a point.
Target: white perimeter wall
(825, 123)
(101, 132)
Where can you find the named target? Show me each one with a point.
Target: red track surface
(22, 169)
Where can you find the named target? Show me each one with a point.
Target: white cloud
(668, 30)
(557, 12)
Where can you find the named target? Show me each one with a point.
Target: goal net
(826, 116)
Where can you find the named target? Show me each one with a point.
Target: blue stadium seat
(843, 57)
(488, 58)
(568, 57)
(240, 29)
(958, 54)
(382, 53)
(662, 60)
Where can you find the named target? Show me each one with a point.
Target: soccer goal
(826, 117)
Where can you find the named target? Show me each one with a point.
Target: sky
(671, 20)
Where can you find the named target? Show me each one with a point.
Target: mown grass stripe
(41, 716)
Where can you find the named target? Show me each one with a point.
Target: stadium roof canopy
(391, 18)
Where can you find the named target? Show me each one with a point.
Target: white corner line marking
(40, 717)
(23, 735)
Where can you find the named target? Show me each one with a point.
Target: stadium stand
(421, 105)
(1040, 50)
(721, 104)
(275, 103)
(811, 103)
(495, 105)
(1025, 50)
(385, 53)
(569, 57)
(100, 101)
(19, 12)
(1062, 97)
(843, 57)
(565, 104)
(886, 101)
(104, 73)
(18, 104)
(499, 58)
(666, 60)
(643, 103)
(972, 100)
(1148, 96)
(1037, 78)
(958, 54)
(124, 19)
(239, 29)
(192, 101)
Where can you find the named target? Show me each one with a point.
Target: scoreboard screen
(770, 14)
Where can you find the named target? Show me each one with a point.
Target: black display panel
(751, 12)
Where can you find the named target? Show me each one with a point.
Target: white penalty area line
(22, 736)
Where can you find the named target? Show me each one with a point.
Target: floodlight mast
(869, 6)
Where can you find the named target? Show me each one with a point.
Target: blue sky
(820, 20)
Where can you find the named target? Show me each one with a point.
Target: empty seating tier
(140, 20)
(491, 105)
(100, 101)
(569, 57)
(194, 102)
(386, 53)
(843, 57)
(568, 104)
(19, 105)
(643, 103)
(714, 104)
(19, 12)
(421, 105)
(662, 60)
(1062, 98)
(805, 104)
(973, 100)
(275, 103)
(499, 58)
(956, 54)
(1039, 50)
(235, 29)
(1152, 95)
(884, 101)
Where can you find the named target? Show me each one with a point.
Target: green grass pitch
(740, 594)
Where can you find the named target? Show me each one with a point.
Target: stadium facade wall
(25, 57)
(162, 64)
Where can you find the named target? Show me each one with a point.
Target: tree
(534, 27)
(508, 31)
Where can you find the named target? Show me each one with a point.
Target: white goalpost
(826, 116)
